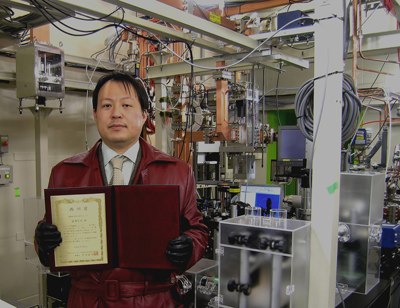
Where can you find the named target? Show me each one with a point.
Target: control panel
(3, 144)
(6, 174)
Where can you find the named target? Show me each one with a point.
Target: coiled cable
(351, 108)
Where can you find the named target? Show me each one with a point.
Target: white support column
(42, 174)
(161, 123)
(41, 148)
(326, 162)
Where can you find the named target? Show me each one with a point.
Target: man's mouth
(116, 126)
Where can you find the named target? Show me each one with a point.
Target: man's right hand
(47, 237)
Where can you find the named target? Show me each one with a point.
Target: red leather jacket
(133, 287)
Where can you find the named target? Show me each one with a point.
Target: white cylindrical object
(276, 278)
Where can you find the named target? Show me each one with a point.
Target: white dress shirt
(127, 167)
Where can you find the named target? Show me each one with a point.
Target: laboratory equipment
(361, 208)
(262, 264)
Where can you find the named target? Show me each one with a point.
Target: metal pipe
(355, 42)
(244, 276)
(384, 146)
(276, 278)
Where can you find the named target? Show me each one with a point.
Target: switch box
(6, 174)
(3, 144)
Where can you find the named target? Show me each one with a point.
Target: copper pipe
(370, 90)
(372, 71)
(372, 96)
(360, 45)
(357, 43)
(394, 121)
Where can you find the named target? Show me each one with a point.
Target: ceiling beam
(97, 8)
(174, 16)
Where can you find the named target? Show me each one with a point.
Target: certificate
(81, 217)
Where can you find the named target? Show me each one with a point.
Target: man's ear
(144, 113)
(95, 115)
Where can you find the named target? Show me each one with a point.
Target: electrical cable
(201, 11)
(377, 134)
(87, 93)
(371, 14)
(390, 133)
(351, 109)
(361, 121)
(73, 13)
(8, 11)
(46, 13)
(269, 91)
(191, 109)
(311, 47)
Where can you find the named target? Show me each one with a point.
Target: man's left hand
(180, 250)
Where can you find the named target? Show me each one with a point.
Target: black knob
(264, 243)
(277, 245)
(246, 289)
(232, 238)
(232, 285)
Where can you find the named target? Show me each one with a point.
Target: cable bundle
(351, 108)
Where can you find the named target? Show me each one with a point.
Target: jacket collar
(86, 158)
(149, 154)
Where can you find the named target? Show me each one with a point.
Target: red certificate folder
(147, 218)
(140, 220)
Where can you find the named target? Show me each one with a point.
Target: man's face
(119, 116)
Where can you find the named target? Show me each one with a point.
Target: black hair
(127, 81)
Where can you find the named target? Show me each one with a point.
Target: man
(120, 109)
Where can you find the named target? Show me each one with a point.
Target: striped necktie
(117, 177)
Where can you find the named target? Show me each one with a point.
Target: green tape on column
(17, 192)
(331, 189)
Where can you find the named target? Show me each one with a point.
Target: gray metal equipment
(40, 71)
(264, 262)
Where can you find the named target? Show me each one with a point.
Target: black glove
(47, 237)
(180, 250)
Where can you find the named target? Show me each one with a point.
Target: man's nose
(117, 112)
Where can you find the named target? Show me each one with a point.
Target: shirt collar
(108, 153)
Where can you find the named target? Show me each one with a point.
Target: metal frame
(182, 19)
(96, 8)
